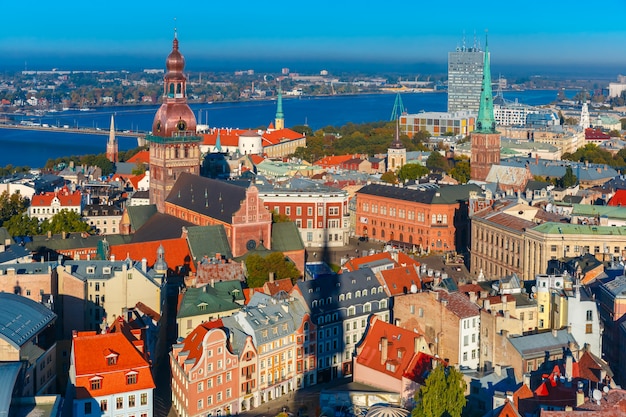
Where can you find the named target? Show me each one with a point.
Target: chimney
(144, 265)
(112, 258)
(497, 368)
(416, 344)
(212, 282)
(383, 350)
(554, 333)
(487, 305)
(271, 277)
(569, 367)
(526, 379)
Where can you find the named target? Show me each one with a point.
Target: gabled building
(203, 201)
(205, 373)
(340, 306)
(449, 320)
(392, 359)
(109, 376)
(44, 206)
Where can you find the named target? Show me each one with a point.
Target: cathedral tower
(112, 143)
(396, 153)
(279, 121)
(485, 140)
(174, 145)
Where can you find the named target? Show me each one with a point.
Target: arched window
(367, 307)
(382, 304)
(329, 300)
(445, 219)
(314, 303)
(357, 294)
(365, 293)
(349, 296)
(382, 233)
(351, 311)
(342, 297)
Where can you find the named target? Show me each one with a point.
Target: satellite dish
(597, 395)
(605, 389)
(413, 289)
(533, 289)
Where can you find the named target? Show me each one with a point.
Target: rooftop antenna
(175, 31)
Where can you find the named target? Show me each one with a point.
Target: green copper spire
(486, 122)
(279, 104)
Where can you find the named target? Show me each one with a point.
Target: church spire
(112, 147)
(279, 122)
(486, 122)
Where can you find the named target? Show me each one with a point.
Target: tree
(389, 177)
(412, 172)
(12, 204)
(65, 221)
(22, 225)
(461, 171)
(569, 179)
(436, 162)
(443, 394)
(259, 268)
(280, 218)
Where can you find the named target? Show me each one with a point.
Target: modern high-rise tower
(174, 145)
(465, 73)
(485, 140)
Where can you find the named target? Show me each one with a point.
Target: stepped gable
(213, 198)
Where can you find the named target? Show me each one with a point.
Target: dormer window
(96, 382)
(131, 377)
(91, 270)
(111, 357)
(106, 270)
(202, 306)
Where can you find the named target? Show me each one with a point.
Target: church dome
(175, 61)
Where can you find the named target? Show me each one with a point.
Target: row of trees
(99, 160)
(593, 154)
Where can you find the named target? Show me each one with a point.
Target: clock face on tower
(181, 125)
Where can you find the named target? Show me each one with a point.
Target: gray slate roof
(537, 344)
(443, 195)
(213, 198)
(22, 318)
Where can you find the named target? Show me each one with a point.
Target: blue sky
(525, 33)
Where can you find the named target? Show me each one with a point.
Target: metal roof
(21, 319)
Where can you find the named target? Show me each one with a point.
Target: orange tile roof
(228, 137)
(400, 351)
(141, 157)
(177, 252)
(256, 159)
(332, 161)
(273, 288)
(273, 137)
(134, 180)
(65, 196)
(193, 341)
(618, 199)
(90, 359)
(400, 280)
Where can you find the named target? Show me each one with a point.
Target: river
(34, 148)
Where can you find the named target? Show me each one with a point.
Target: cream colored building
(552, 240)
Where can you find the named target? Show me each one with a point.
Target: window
(119, 403)
(200, 386)
(465, 340)
(309, 211)
(589, 328)
(144, 399)
(209, 400)
(131, 379)
(96, 384)
(87, 408)
(200, 404)
(111, 360)
(104, 405)
(589, 315)
(131, 400)
(541, 308)
(298, 211)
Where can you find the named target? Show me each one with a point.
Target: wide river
(34, 148)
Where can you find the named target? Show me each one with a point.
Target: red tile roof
(618, 199)
(90, 358)
(400, 280)
(277, 136)
(228, 137)
(141, 157)
(177, 252)
(65, 196)
(332, 161)
(402, 360)
(595, 134)
(193, 341)
(134, 180)
(273, 288)
(256, 159)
